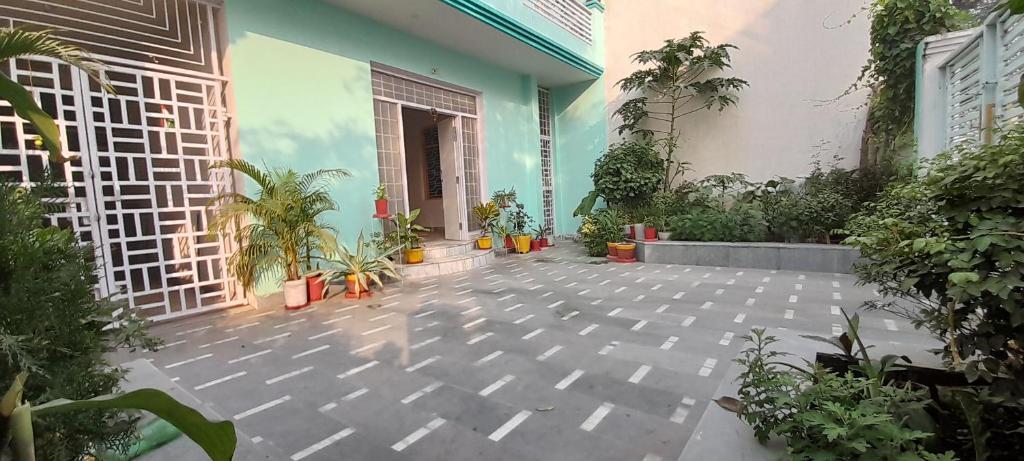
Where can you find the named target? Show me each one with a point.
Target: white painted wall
(797, 55)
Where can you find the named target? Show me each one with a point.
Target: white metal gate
(140, 189)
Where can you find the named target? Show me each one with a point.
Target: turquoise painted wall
(581, 136)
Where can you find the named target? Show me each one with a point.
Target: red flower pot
(650, 233)
(544, 242)
(350, 287)
(632, 233)
(613, 250)
(382, 207)
(535, 245)
(509, 243)
(314, 287)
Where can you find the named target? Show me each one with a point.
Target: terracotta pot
(295, 294)
(522, 243)
(627, 251)
(509, 243)
(613, 251)
(666, 236)
(650, 233)
(382, 207)
(413, 255)
(544, 242)
(632, 233)
(315, 287)
(350, 287)
(484, 243)
(535, 245)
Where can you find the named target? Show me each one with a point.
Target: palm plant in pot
(487, 215)
(361, 267)
(406, 234)
(277, 226)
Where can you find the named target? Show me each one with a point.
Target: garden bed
(806, 257)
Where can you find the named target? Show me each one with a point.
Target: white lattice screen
(546, 158)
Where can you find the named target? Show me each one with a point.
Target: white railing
(570, 15)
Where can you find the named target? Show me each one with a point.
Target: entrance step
(438, 249)
(444, 265)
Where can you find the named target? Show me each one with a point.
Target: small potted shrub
(487, 215)
(540, 237)
(361, 267)
(650, 229)
(502, 231)
(504, 198)
(381, 202)
(519, 222)
(405, 234)
(660, 223)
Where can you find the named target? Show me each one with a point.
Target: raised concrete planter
(777, 256)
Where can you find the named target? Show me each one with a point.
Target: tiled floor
(549, 356)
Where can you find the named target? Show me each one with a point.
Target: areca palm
(279, 227)
(20, 43)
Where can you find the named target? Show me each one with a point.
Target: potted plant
(613, 249)
(504, 198)
(381, 202)
(366, 264)
(650, 228)
(405, 234)
(660, 223)
(487, 215)
(281, 225)
(542, 232)
(626, 251)
(519, 222)
(502, 231)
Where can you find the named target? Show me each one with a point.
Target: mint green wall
(518, 11)
(581, 136)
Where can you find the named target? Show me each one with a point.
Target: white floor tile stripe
(532, 334)
(290, 374)
(707, 305)
(425, 342)
(418, 434)
(793, 298)
(661, 308)
(548, 353)
(381, 317)
(358, 369)
(265, 406)
(679, 295)
(683, 410)
(220, 380)
(510, 309)
(423, 314)
(474, 323)
(227, 340)
(570, 315)
(836, 329)
(639, 374)
(750, 302)
(471, 310)
(726, 338)
(479, 338)
(523, 319)
(835, 310)
(312, 351)
(367, 347)
(326, 333)
(336, 320)
(689, 321)
(597, 416)
(890, 325)
(188, 361)
(247, 357)
(555, 304)
(355, 394)
(496, 385)
(709, 366)
(293, 322)
(420, 393)
(568, 380)
(322, 444)
(615, 312)
(510, 425)
(788, 315)
(739, 318)
(639, 325)
(375, 330)
(422, 364)
(671, 341)
(588, 329)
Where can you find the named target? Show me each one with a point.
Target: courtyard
(550, 355)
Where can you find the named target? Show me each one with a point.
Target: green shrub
(600, 228)
(629, 174)
(52, 326)
(739, 223)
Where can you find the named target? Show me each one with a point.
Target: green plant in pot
(541, 233)
(504, 198)
(406, 235)
(519, 221)
(486, 214)
(360, 267)
(380, 202)
(275, 228)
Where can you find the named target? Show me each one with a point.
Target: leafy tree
(675, 80)
(628, 174)
(52, 325)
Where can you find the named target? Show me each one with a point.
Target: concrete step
(445, 248)
(433, 267)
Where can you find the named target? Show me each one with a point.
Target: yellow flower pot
(413, 255)
(484, 243)
(522, 243)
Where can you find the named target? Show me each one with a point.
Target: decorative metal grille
(1011, 66)
(140, 191)
(546, 158)
(400, 89)
(963, 119)
(432, 163)
(570, 15)
(389, 153)
(471, 169)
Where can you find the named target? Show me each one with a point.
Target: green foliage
(963, 258)
(363, 263)
(519, 221)
(487, 215)
(897, 27)
(52, 325)
(824, 415)
(600, 228)
(674, 81)
(504, 198)
(282, 226)
(380, 192)
(406, 233)
(587, 204)
(628, 174)
(737, 223)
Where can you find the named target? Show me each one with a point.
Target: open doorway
(430, 140)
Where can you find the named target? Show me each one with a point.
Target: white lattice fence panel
(963, 113)
(570, 15)
(1011, 66)
(152, 146)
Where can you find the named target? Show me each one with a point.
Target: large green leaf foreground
(217, 439)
